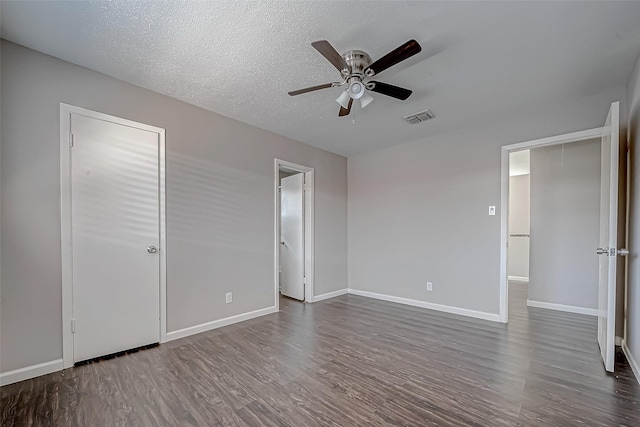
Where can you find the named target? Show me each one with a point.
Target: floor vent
(419, 117)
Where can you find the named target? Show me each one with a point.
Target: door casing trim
(65, 221)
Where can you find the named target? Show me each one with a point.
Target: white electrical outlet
(492, 210)
(229, 297)
(429, 286)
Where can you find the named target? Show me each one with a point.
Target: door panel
(292, 236)
(115, 218)
(608, 236)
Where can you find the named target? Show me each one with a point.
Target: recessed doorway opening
(113, 234)
(510, 244)
(612, 177)
(294, 234)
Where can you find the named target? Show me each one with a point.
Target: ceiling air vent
(419, 117)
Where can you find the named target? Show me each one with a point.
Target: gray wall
(418, 211)
(565, 224)
(518, 255)
(632, 333)
(220, 225)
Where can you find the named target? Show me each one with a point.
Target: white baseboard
(328, 295)
(192, 330)
(518, 278)
(635, 367)
(561, 307)
(29, 372)
(424, 304)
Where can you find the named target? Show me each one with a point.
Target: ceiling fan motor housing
(358, 61)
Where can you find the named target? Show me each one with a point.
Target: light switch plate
(492, 210)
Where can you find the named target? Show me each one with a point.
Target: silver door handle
(152, 249)
(623, 252)
(602, 251)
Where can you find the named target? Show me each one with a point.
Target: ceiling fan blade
(310, 89)
(399, 54)
(332, 55)
(391, 90)
(345, 111)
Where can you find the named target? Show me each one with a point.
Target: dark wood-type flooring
(348, 361)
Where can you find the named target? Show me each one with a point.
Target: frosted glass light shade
(343, 99)
(366, 99)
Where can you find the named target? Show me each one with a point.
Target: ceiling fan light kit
(355, 66)
(343, 99)
(356, 89)
(366, 99)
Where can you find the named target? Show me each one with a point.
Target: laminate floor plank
(349, 361)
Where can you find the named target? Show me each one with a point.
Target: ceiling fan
(355, 67)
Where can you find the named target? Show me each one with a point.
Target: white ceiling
(239, 59)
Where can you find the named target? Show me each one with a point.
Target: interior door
(292, 236)
(115, 237)
(608, 236)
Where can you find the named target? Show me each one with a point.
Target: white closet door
(115, 237)
(292, 236)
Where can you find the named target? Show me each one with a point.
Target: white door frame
(309, 233)
(584, 135)
(65, 218)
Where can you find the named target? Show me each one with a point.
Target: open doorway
(519, 216)
(611, 227)
(556, 202)
(293, 231)
(553, 220)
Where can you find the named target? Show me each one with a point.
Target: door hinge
(70, 140)
(73, 326)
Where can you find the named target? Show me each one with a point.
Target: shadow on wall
(211, 205)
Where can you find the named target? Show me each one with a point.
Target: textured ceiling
(239, 59)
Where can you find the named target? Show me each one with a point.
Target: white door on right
(292, 236)
(607, 250)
